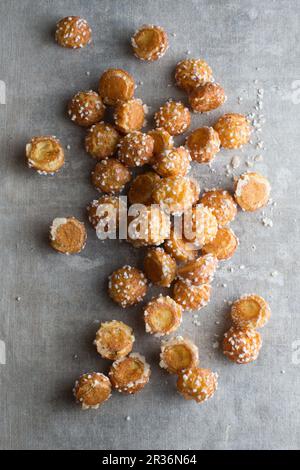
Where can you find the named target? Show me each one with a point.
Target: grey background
(48, 333)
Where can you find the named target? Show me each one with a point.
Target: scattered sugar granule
(88, 73)
(18, 299)
(253, 247)
(68, 147)
(235, 162)
(267, 222)
(215, 345)
(217, 322)
(75, 356)
(274, 273)
(282, 371)
(242, 266)
(128, 418)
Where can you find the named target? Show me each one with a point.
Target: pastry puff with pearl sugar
(130, 374)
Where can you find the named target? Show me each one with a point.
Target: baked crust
(234, 130)
(149, 42)
(190, 296)
(222, 205)
(252, 191)
(174, 193)
(250, 311)
(162, 140)
(114, 339)
(86, 108)
(151, 227)
(207, 97)
(67, 235)
(130, 116)
(224, 245)
(102, 140)
(197, 384)
(92, 389)
(159, 267)
(141, 188)
(115, 86)
(162, 316)
(191, 73)
(174, 117)
(199, 271)
(45, 154)
(173, 162)
(110, 176)
(203, 144)
(177, 354)
(130, 374)
(73, 32)
(135, 149)
(180, 248)
(242, 345)
(204, 225)
(106, 200)
(127, 286)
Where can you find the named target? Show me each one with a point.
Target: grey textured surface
(63, 298)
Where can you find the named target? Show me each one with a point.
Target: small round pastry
(251, 311)
(67, 235)
(129, 116)
(115, 86)
(45, 154)
(178, 354)
(151, 226)
(162, 140)
(174, 162)
(252, 191)
(162, 316)
(114, 339)
(73, 32)
(135, 149)
(98, 209)
(174, 193)
(86, 108)
(223, 245)
(110, 176)
(199, 271)
(189, 296)
(127, 286)
(91, 390)
(234, 130)
(207, 97)
(242, 345)
(159, 267)
(197, 384)
(203, 144)
(204, 225)
(102, 140)
(222, 205)
(129, 374)
(149, 42)
(174, 117)
(180, 248)
(191, 73)
(142, 187)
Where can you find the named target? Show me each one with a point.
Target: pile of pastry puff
(121, 147)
